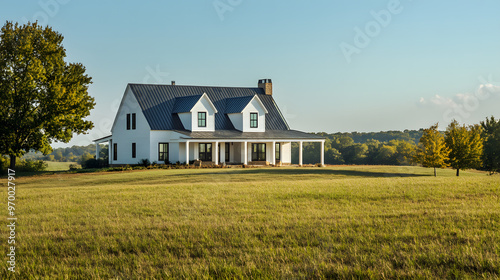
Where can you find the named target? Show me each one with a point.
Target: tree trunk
(435, 172)
(12, 162)
(458, 171)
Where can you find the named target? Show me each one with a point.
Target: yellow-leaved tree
(432, 150)
(465, 144)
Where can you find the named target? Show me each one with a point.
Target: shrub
(139, 167)
(28, 165)
(144, 162)
(74, 166)
(95, 163)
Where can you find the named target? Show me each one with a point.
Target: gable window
(133, 121)
(205, 151)
(254, 120)
(128, 121)
(115, 151)
(278, 151)
(202, 119)
(163, 152)
(258, 152)
(133, 150)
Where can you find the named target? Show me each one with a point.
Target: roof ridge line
(167, 85)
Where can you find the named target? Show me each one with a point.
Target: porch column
(273, 155)
(222, 152)
(97, 150)
(187, 153)
(322, 153)
(300, 153)
(216, 152)
(245, 154)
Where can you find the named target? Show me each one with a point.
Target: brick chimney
(173, 83)
(267, 85)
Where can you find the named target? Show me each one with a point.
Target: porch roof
(235, 134)
(102, 139)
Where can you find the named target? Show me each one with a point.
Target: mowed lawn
(315, 223)
(58, 166)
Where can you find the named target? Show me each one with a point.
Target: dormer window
(254, 120)
(202, 119)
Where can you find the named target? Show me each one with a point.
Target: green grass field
(287, 223)
(58, 166)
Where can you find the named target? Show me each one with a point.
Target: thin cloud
(483, 92)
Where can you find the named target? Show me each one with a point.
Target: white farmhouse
(174, 123)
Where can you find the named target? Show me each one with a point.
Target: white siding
(237, 120)
(286, 152)
(164, 136)
(124, 138)
(186, 120)
(203, 105)
(254, 107)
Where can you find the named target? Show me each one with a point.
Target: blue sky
(407, 64)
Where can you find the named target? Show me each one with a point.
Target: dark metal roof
(237, 104)
(235, 134)
(157, 103)
(186, 103)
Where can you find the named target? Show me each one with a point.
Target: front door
(205, 151)
(258, 152)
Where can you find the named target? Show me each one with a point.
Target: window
(128, 121)
(115, 151)
(163, 152)
(133, 150)
(205, 151)
(254, 120)
(133, 121)
(226, 151)
(259, 152)
(278, 151)
(202, 119)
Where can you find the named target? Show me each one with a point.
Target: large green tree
(491, 136)
(42, 98)
(465, 144)
(432, 150)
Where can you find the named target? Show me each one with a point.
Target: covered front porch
(248, 152)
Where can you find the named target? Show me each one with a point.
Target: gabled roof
(185, 104)
(238, 104)
(157, 103)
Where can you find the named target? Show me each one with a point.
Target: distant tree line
(373, 148)
(460, 147)
(70, 154)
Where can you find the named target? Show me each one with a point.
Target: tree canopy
(465, 144)
(432, 150)
(491, 135)
(42, 98)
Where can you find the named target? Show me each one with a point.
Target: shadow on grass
(307, 172)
